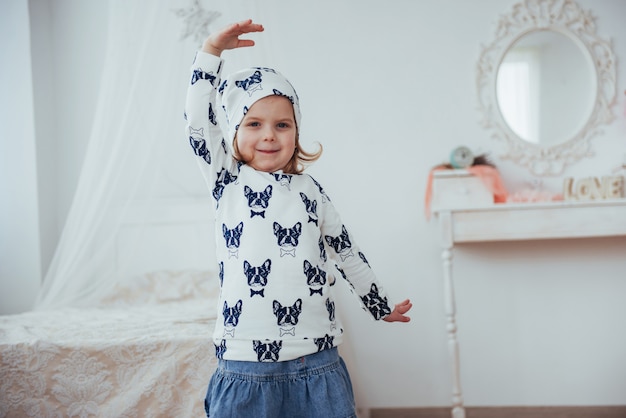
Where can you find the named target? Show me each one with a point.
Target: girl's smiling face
(266, 138)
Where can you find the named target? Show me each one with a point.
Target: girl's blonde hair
(299, 160)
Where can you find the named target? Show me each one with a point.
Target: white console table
(463, 219)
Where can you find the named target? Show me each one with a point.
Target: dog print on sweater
(199, 148)
(233, 239)
(287, 238)
(267, 351)
(224, 178)
(376, 304)
(198, 144)
(198, 75)
(315, 278)
(325, 343)
(341, 244)
(257, 276)
(287, 316)
(231, 317)
(311, 207)
(258, 201)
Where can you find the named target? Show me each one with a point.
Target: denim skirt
(313, 386)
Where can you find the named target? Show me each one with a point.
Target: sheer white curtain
(136, 154)
(137, 157)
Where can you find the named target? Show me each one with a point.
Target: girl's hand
(398, 313)
(228, 38)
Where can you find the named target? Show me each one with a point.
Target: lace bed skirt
(149, 360)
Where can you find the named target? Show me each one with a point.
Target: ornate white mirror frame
(567, 18)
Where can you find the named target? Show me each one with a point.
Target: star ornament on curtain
(197, 21)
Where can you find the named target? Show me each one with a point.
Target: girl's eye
(283, 125)
(254, 124)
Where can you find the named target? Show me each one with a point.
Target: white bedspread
(120, 359)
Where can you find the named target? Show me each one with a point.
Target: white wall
(388, 88)
(20, 271)
(68, 38)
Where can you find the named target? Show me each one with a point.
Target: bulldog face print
(287, 238)
(198, 144)
(258, 201)
(315, 278)
(287, 316)
(325, 343)
(224, 178)
(257, 276)
(311, 208)
(231, 317)
(233, 239)
(341, 244)
(199, 74)
(376, 304)
(267, 351)
(251, 83)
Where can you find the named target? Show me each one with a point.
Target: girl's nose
(268, 134)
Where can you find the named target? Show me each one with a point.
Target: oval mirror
(546, 84)
(545, 87)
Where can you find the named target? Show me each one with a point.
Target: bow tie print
(260, 213)
(314, 291)
(257, 292)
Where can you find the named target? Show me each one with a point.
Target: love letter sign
(593, 188)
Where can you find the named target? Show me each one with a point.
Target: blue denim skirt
(313, 386)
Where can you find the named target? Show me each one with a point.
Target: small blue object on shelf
(461, 157)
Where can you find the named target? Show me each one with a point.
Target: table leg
(458, 411)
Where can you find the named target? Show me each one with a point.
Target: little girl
(280, 246)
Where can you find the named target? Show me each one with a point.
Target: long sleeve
(351, 262)
(203, 131)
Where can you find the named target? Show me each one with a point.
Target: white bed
(144, 350)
